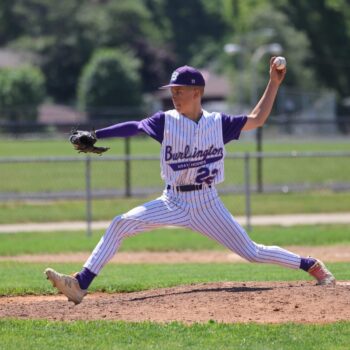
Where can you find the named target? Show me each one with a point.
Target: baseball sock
(306, 263)
(85, 277)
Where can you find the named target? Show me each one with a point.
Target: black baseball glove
(84, 141)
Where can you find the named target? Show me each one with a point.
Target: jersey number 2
(205, 175)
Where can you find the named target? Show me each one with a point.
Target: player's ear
(199, 91)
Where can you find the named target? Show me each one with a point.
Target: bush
(110, 82)
(21, 91)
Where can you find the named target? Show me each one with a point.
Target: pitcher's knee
(253, 258)
(118, 227)
(254, 255)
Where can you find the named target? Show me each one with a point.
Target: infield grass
(169, 240)
(24, 278)
(18, 335)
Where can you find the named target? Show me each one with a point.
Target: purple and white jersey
(192, 153)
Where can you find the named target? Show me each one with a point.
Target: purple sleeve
(154, 126)
(119, 130)
(232, 126)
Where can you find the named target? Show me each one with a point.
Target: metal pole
(88, 196)
(259, 164)
(273, 48)
(258, 132)
(247, 190)
(127, 168)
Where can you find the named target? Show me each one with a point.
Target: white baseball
(280, 62)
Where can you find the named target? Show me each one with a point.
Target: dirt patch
(266, 302)
(335, 253)
(261, 302)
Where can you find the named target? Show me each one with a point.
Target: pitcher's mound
(262, 302)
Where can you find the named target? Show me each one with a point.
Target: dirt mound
(265, 302)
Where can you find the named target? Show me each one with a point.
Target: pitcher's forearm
(263, 109)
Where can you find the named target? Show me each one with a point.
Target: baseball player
(192, 163)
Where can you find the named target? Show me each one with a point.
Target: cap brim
(170, 85)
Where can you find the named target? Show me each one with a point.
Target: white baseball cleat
(67, 285)
(323, 276)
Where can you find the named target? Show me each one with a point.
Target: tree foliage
(327, 25)
(130, 25)
(164, 34)
(65, 35)
(110, 79)
(21, 91)
(194, 24)
(56, 33)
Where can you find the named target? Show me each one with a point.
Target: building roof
(11, 59)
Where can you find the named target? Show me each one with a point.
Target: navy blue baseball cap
(185, 76)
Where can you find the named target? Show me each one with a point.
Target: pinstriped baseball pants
(201, 211)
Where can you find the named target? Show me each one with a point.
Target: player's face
(184, 97)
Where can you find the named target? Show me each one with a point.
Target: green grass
(68, 176)
(169, 240)
(21, 212)
(23, 278)
(105, 174)
(111, 175)
(39, 334)
(315, 202)
(145, 145)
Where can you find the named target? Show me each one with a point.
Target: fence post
(88, 196)
(247, 190)
(127, 167)
(259, 160)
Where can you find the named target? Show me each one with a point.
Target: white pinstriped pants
(201, 211)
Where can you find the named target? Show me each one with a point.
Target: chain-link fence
(88, 178)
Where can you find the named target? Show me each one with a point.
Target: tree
(132, 25)
(263, 26)
(110, 82)
(9, 26)
(65, 34)
(21, 91)
(194, 25)
(327, 25)
(55, 33)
